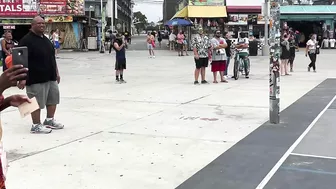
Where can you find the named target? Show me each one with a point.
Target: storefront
(17, 17)
(319, 19)
(19, 27)
(245, 17)
(208, 14)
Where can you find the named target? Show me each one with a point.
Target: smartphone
(20, 56)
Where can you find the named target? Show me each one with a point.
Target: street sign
(9, 27)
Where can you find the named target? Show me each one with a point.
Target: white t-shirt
(172, 37)
(55, 37)
(332, 43)
(311, 44)
(218, 54)
(243, 40)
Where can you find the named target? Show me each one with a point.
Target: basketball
(9, 61)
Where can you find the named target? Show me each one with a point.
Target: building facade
(68, 18)
(118, 10)
(240, 14)
(169, 9)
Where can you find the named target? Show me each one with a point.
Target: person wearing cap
(120, 64)
(201, 47)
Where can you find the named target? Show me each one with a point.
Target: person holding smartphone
(9, 79)
(120, 65)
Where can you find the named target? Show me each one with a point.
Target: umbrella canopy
(178, 22)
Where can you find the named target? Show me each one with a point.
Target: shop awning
(244, 9)
(202, 12)
(306, 9)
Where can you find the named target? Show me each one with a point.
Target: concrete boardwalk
(154, 132)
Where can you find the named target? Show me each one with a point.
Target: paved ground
(139, 43)
(154, 132)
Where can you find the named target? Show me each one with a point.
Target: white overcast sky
(153, 11)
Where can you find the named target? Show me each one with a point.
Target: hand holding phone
(20, 56)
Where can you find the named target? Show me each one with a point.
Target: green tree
(140, 21)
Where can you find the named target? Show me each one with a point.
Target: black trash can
(253, 48)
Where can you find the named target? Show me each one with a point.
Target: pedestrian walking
(311, 51)
(218, 63)
(6, 45)
(201, 47)
(292, 51)
(8, 79)
(285, 54)
(120, 65)
(55, 39)
(42, 82)
(151, 44)
(228, 52)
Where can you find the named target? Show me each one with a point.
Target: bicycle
(239, 66)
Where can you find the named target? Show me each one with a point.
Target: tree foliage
(139, 20)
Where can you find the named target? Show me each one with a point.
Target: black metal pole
(275, 51)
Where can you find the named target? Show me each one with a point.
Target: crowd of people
(289, 45)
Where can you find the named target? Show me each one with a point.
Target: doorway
(306, 28)
(19, 32)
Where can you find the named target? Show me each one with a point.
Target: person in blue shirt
(120, 64)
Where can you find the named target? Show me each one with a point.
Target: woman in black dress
(292, 49)
(285, 55)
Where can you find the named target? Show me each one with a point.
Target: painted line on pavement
(309, 170)
(48, 149)
(268, 177)
(313, 156)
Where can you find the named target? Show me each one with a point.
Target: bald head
(37, 19)
(38, 25)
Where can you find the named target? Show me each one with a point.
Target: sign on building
(29, 8)
(17, 8)
(207, 2)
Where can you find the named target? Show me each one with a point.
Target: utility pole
(266, 14)
(112, 15)
(102, 28)
(274, 67)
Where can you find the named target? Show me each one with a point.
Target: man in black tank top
(7, 44)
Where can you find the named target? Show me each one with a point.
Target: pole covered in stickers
(274, 67)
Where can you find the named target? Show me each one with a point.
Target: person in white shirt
(55, 37)
(172, 39)
(242, 44)
(311, 51)
(219, 57)
(332, 43)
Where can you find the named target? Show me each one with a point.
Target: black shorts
(120, 64)
(202, 62)
(179, 46)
